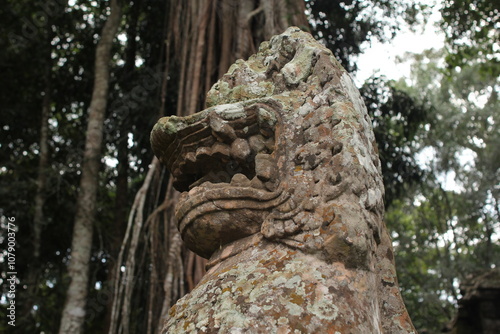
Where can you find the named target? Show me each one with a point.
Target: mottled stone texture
(479, 307)
(282, 191)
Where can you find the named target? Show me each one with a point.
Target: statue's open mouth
(223, 160)
(224, 144)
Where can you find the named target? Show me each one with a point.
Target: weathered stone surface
(287, 202)
(479, 307)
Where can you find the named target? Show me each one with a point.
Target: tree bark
(73, 314)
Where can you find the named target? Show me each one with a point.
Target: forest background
(83, 82)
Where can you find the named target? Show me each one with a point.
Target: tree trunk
(73, 314)
(122, 192)
(41, 183)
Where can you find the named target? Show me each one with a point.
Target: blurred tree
(398, 120)
(455, 213)
(471, 29)
(33, 36)
(448, 228)
(73, 314)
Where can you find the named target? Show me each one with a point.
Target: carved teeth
(257, 143)
(267, 120)
(190, 157)
(190, 163)
(211, 176)
(265, 167)
(203, 153)
(291, 227)
(257, 184)
(220, 151)
(177, 172)
(265, 116)
(221, 130)
(193, 190)
(270, 144)
(271, 185)
(220, 147)
(240, 150)
(240, 180)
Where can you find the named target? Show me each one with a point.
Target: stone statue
(282, 192)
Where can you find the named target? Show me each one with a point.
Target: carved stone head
(285, 148)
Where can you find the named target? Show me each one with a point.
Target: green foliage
(424, 288)
(397, 120)
(455, 227)
(471, 29)
(448, 228)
